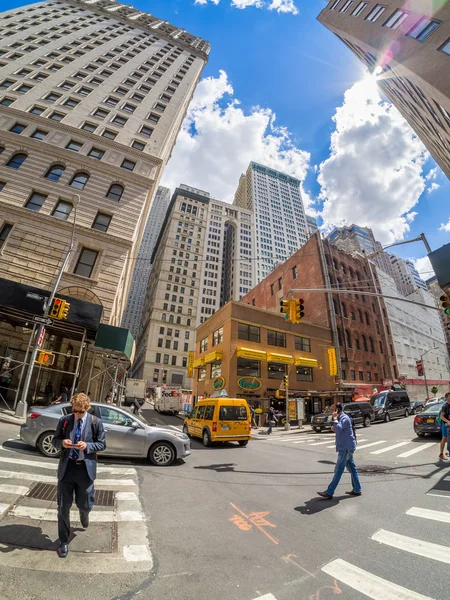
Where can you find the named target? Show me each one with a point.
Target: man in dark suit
(80, 436)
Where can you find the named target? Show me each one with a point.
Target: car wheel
(367, 422)
(206, 438)
(161, 454)
(175, 412)
(387, 418)
(46, 447)
(186, 430)
(317, 430)
(420, 434)
(406, 413)
(243, 443)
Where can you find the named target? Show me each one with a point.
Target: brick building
(361, 330)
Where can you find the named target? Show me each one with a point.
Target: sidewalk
(8, 416)
(279, 431)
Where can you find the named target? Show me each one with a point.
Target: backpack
(438, 418)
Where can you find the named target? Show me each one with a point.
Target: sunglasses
(78, 411)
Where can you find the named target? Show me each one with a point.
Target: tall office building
(202, 259)
(405, 275)
(437, 292)
(279, 216)
(407, 45)
(311, 223)
(92, 96)
(132, 316)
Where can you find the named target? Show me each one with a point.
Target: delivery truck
(135, 388)
(169, 398)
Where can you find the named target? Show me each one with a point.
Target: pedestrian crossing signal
(445, 303)
(46, 359)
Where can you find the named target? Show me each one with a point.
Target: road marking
(53, 466)
(51, 514)
(414, 451)
(409, 544)
(49, 479)
(3, 508)
(20, 490)
(266, 597)
(334, 445)
(370, 585)
(137, 553)
(371, 444)
(433, 515)
(320, 443)
(300, 442)
(389, 448)
(284, 439)
(126, 496)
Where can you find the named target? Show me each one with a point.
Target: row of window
(252, 368)
(252, 333)
(420, 31)
(166, 358)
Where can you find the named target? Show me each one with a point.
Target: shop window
(276, 338)
(303, 344)
(216, 369)
(204, 345)
(304, 374)
(218, 336)
(276, 370)
(248, 332)
(248, 368)
(201, 376)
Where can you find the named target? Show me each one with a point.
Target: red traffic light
(301, 301)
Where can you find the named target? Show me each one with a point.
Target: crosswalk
(370, 448)
(116, 540)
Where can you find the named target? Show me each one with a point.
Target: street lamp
(22, 406)
(423, 367)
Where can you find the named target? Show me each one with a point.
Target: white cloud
(432, 174)
(423, 265)
(218, 140)
(373, 176)
(433, 187)
(216, 2)
(281, 6)
(445, 226)
(246, 3)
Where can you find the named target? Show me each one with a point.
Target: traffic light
(46, 359)
(64, 310)
(445, 303)
(56, 307)
(286, 381)
(285, 307)
(419, 366)
(299, 310)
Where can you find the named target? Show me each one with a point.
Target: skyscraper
(312, 226)
(92, 96)
(407, 46)
(279, 216)
(202, 259)
(132, 316)
(405, 275)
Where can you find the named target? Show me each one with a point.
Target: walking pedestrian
(345, 447)
(136, 406)
(253, 415)
(271, 419)
(63, 396)
(444, 415)
(79, 436)
(108, 399)
(48, 393)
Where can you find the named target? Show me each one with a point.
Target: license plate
(430, 420)
(225, 428)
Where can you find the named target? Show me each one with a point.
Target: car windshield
(378, 400)
(434, 408)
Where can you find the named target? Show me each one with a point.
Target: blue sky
(265, 63)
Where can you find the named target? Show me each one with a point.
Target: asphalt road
(234, 523)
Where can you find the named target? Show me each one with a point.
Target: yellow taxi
(220, 419)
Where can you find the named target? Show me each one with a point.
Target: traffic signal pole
(22, 405)
(287, 424)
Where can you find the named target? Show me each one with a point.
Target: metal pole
(91, 371)
(77, 367)
(287, 425)
(16, 399)
(424, 375)
(22, 406)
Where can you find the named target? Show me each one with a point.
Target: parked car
(361, 413)
(426, 421)
(126, 434)
(220, 420)
(416, 406)
(390, 404)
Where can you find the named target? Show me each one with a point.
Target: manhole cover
(47, 491)
(374, 469)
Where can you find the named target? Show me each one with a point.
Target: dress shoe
(325, 495)
(63, 550)
(352, 493)
(84, 518)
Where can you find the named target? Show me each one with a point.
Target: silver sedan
(127, 435)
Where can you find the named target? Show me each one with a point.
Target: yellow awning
(213, 357)
(286, 359)
(199, 362)
(306, 362)
(251, 354)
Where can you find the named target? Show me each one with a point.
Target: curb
(11, 420)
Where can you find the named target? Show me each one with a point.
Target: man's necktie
(75, 455)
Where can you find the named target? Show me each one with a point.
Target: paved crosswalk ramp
(116, 540)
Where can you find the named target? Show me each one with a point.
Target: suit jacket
(93, 446)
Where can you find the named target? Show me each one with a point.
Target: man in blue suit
(80, 436)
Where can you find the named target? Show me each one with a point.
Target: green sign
(218, 383)
(249, 383)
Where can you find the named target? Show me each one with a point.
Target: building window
(120, 121)
(294, 272)
(38, 134)
(248, 368)
(276, 370)
(358, 10)
(4, 233)
(248, 332)
(55, 172)
(344, 375)
(381, 347)
(16, 161)
(166, 359)
(35, 201)
(272, 290)
(204, 345)
(353, 375)
(86, 262)
(423, 29)
(364, 340)
(137, 145)
(37, 110)
(57, 116)
(361, 375)
(304, 373)
(79, 180)
(146, 131)
(108, 133)
(369, 376)
(217, 336)
(128, 164)
(367, 318)
(158, 357)
(376, 13)
(445, 47)
(216, 369)
(280, 283)
(372, 347)
(303, 344)
(335, 4)
(96, 153)
(347, 4)
(348, 338)
(396, 19)
(91, 127)
(17, 128)
(155, 375)
(201, 375)
(62, 210)
(276, 338)
(73, 145)
(115, 192)
(344, 310)
(101, 222)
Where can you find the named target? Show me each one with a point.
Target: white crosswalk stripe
(420, 448)
(413, 545)
(371, 444)
(426, 513)
(383, 450)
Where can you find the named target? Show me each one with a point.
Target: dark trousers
(76, 479)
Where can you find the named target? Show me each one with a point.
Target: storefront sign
(249, 383)
(190, 370)
(198, 362)
(251, 354)
(213, 357)
(218, 383)
(306, 362)
(292, 410)
(332, 361)
(285, 359)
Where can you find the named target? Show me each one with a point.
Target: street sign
(42, 320)
(41, 337)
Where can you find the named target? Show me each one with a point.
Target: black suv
(361, 413)
(390, 404)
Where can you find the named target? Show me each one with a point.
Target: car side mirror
(135, 425)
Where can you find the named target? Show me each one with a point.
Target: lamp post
(423, 368)
(22, 406)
